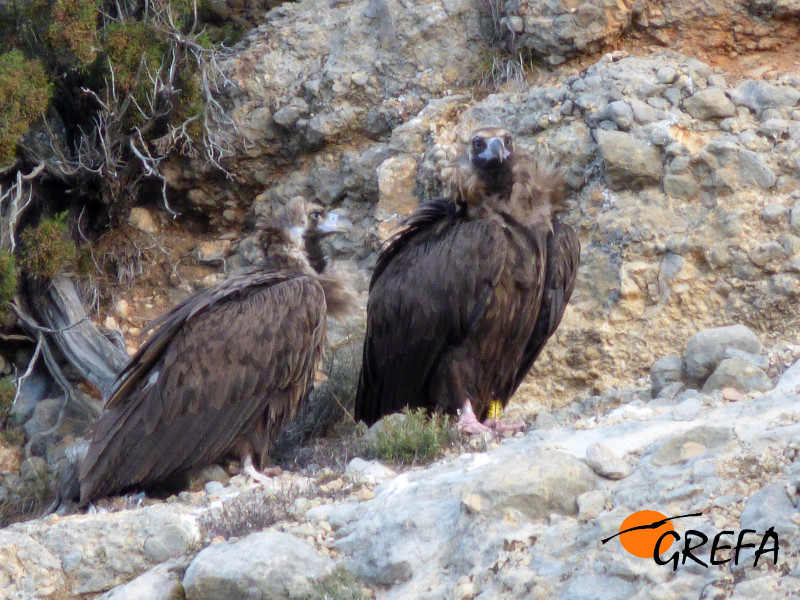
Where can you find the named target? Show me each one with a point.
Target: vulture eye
(315, 216)
(478, 143)
(507, 141)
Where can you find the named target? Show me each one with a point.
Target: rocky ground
(678, 125)
(522, 517)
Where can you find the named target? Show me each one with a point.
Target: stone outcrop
(523, 519)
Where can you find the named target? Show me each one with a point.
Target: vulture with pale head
(225, 369)
(463, 300)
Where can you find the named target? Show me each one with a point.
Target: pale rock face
(262, 565)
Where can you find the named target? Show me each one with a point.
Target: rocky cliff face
(678, 124)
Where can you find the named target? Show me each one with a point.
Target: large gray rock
(630, 163)
(268, 564)
(446, 517)
(734, 167)
(707, 348)
(681, 448)
(758, 95)
(605, 463)
(790, 380)
(711, 103)
(536, 489)
(666, 370)
(739, 374)
(162, 582)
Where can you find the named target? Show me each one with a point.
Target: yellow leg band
(495, 409)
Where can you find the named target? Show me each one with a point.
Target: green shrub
(74, 28)
(131, 47)
(12, 435)
(413, 439)
(25, 93)
(7, 392)
(8, 278)
(47, 248)
(341, 584)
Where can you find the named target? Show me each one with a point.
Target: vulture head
(298, 230)
(485, 170)
(490, 149)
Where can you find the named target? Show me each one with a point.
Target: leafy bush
(25, 93)
(415, 438)
(47, 248)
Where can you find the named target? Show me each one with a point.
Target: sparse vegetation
(328, 410)
(341, 584)
(501, 62)
(47, 249)
(8, 285)
(416, 438)
(13, 435)
(28, 496)
(248, 513)
(9, 434)
(26, 92)
(7, 392)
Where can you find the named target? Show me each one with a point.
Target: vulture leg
(468, 422)
(248, 469)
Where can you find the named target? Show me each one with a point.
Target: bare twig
(29, 369)
(14, 194)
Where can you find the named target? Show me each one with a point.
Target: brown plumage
(224, 371)
(464, 299)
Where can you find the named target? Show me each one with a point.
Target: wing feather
(433, 284)
(563, 257)
(210, 382)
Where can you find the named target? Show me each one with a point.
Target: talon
(263, 477)
(468, 422)
(500, 427)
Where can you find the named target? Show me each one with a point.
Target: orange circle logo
(639, 533)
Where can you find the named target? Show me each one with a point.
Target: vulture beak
(334, 223)
(495, 151)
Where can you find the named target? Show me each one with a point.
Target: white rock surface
(262, 565)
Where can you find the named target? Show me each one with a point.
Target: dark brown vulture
(224, 371)
(463, 300)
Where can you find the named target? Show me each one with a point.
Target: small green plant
(341, 584)
(74, 27)
(47, 248)
(133, 47)
(415, 438)
(13, 435)
(8, 286)
(26, 92)
(7, 392)
(29, 497)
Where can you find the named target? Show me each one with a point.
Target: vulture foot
(249, 470)
(468, 422)
(500, 427)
